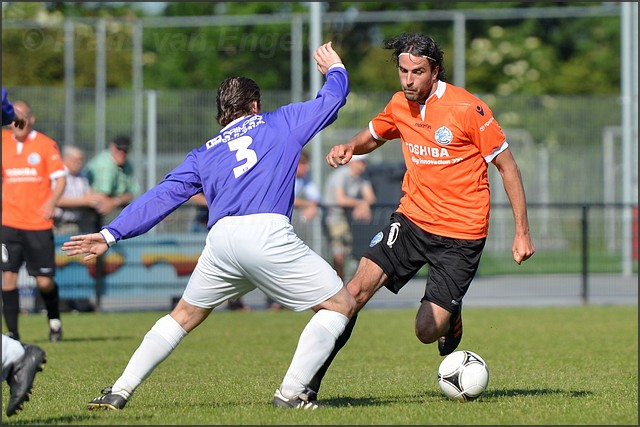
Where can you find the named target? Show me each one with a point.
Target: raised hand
(325, 56)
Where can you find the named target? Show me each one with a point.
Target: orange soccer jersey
(446, 151)
(27, 172)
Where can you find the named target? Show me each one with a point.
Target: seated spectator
(348, 193)
(75, 211)
(111, 175)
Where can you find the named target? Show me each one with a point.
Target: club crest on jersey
(444, 136)
(34, 159)
(376, 239)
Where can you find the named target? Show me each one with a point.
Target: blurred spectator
(237, 305)
(201, 218)
(307, 196)
(348, 193)
(110, 174)
(75, 212)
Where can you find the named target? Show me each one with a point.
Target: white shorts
(260, 251)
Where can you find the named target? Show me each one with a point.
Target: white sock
(314, 346)
(12, 352)
(156, 346)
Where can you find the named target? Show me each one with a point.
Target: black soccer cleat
(448, 343)
(108, 401)
(308, 399)
(21, 377)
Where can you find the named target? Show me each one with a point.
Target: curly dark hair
(419, 45)
(235, 97)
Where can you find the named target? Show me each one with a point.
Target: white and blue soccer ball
(463, 375)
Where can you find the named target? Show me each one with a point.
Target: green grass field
(576, 365)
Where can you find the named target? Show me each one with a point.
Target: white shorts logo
(5, 253)
(393, 234)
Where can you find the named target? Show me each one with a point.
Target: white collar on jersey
(442, 86)
(20, 145)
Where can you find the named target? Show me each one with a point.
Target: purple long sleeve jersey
(248, 168)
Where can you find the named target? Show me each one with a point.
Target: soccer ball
(463, 375)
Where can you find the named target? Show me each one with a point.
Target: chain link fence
(568, 148)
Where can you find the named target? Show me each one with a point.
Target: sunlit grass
(575, 365)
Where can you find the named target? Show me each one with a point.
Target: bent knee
(349, 303)
(189, 316)
(427, 335)
(342, 302)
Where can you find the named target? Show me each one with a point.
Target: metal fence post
(101, 85)
(69, 82)
(585, 254)
(100, 273)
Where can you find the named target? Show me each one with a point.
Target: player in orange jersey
(448, 138)
(20, 362)
(33, 179)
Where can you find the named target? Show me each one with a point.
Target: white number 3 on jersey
(241, 146)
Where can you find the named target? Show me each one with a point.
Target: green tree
(517, 56)
(34, 54)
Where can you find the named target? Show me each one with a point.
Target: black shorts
(402, 248)
(33, 247)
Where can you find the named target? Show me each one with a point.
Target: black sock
(10, 309)
(52, 302)
(340, 342)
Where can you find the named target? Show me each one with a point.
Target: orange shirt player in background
(448, 138)
(33, 179)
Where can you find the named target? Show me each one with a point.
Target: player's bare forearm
(91, 245)
(362, 143)
(58, 190)
(522, 248)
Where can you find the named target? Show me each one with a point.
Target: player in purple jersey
(247, 174)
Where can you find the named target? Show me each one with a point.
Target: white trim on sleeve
(374, 134)
(497, 151)
(108, 237)
(58, 174)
